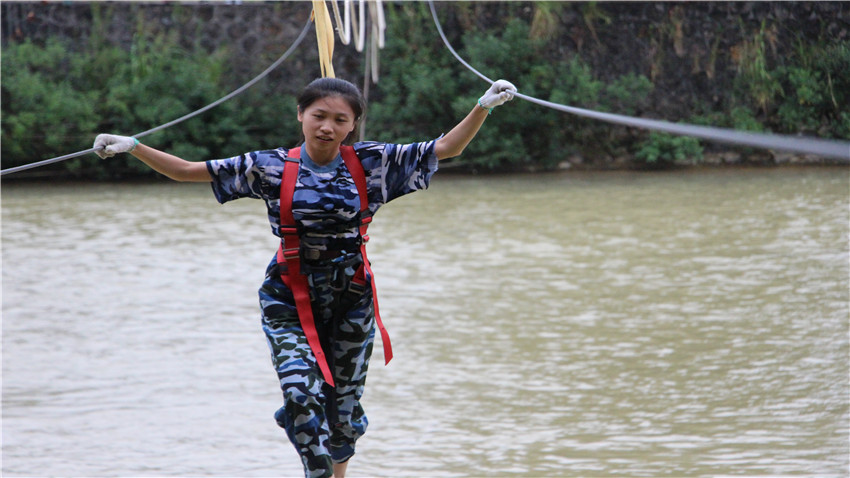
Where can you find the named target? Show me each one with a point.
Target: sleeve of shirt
(393, 170)
(249, 175)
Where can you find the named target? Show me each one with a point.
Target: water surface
(592, 324)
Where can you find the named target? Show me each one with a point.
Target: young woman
(317, 304)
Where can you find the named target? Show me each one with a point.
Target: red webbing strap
(352, 162)
(288, 251)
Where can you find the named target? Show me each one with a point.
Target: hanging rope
(820, 147)
(379, 27)
(324, 37)
(345, 29)
(235, 92)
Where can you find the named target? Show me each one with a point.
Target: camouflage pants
(321, 421)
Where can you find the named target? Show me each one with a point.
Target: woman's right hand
(108, 145)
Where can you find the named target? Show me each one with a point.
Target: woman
(317, 302)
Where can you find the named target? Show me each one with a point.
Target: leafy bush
(803, 92)
(662, 149)
(742, 118)
(627, 95)
(815, 91)
(521, 134)
(56, 99)
(547, 136)
(42, 115)
(413, 92)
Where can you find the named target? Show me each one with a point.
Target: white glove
(498, 93)
(108, 145)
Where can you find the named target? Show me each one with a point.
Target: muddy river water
(593, 324)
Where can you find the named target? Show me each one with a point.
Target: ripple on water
(646, 325)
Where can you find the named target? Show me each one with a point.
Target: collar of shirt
(309, 164)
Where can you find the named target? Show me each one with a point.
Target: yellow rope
(324, 37)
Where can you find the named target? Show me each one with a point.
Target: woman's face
(326, 123)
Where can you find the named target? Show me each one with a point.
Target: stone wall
(249, 30)
(687, 49)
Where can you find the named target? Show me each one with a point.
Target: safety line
(221, 100)
(821, 147)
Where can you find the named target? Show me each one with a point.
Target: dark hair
(325, 87)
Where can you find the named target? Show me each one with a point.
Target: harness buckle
(291, 253)
(356, 288)
(311, 254)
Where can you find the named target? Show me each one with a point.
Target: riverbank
(713, 160)
(710, 161)
(74, 69)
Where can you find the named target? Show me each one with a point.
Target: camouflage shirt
(325, 203)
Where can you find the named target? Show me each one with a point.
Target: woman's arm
(455, 141)
(178, 169)
(175, 168)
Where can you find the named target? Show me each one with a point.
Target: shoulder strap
(352, 162)
(288, 180)
(289, 252)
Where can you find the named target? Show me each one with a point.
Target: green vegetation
(665, 149)
(58, 94)
(415, 88)
(805, 93)
(815, 92)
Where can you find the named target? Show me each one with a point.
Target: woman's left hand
(500, 92)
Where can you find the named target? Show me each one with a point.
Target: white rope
(379, 27)
(382, 24)
(182, 118)
(344, 27)
(357, 24)
(343, 31)
(820, 147)
(376, 14)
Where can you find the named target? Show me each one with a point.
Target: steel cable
(820, 147)
(221, 100)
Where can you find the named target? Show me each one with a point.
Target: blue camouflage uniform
(323, 422)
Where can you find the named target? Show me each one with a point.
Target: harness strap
(352, 162)
(289, 252)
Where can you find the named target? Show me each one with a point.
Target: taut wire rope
(221, 100)
(820, 147)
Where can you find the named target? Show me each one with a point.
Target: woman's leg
(322, 447)
(339, 469)
(352, 349)
(303, 412)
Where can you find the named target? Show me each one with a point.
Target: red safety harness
(289, 252)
